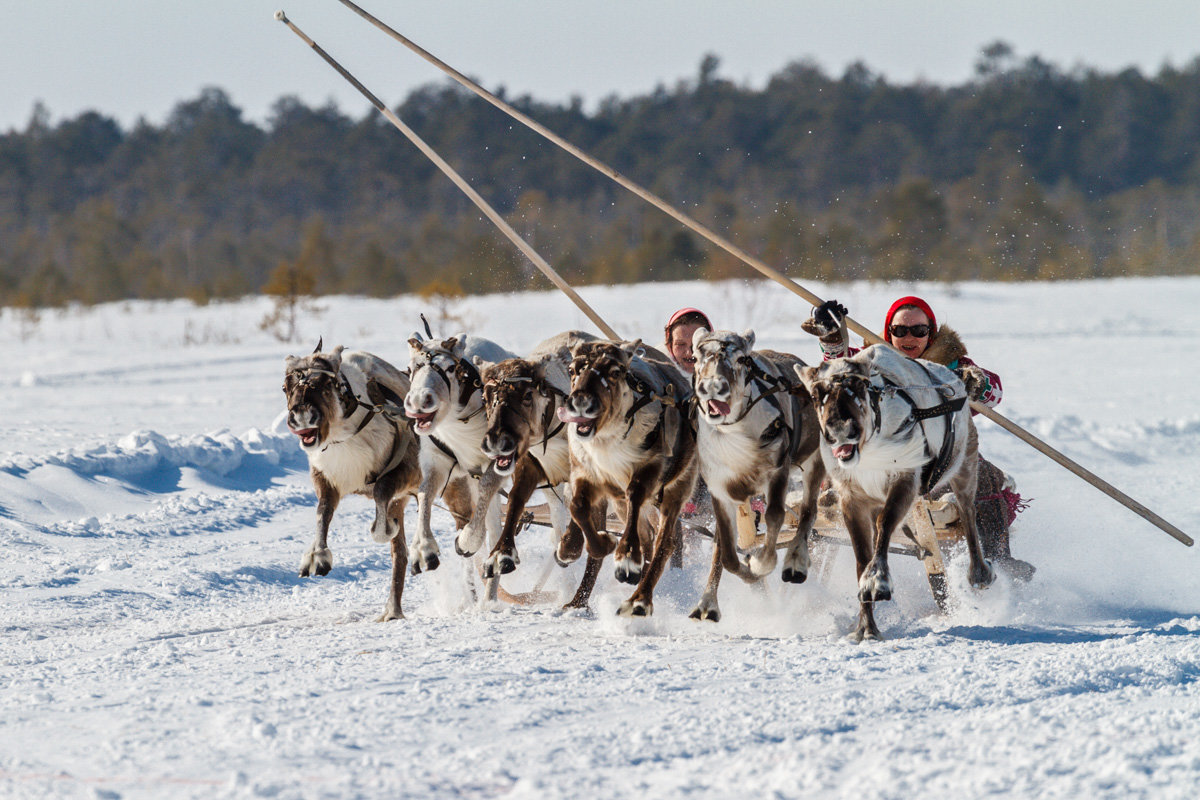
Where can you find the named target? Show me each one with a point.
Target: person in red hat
(677, 336)
(912, 328)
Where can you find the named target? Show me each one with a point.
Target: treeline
(1024, 172)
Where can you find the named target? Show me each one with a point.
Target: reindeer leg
(502, 560)
(875, 583)
(470, 537)
(383, 528)
(399, 564)
(762, 561)
(423, 551)
(591, 569)
(965, 485)
(796, 563)
(858, 525)
(628, 554)
(707, 608)
(598, 546)
(318, 559)
(641, 602)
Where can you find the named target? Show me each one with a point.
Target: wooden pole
(1104, 486)
(757, 264)
(467, 189)
(598, 165)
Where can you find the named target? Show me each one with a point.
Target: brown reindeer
(629, 443)
(757, 427)
(525, 440)
(893, 428)
(336, 403)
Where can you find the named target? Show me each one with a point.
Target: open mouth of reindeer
(308, 436)
(422, 422)
(716, 408)
(584, 426)
(844, 452)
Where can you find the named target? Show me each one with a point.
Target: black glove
(826, 320)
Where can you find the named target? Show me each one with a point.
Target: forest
(1025, 172)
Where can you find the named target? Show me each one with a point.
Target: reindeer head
(313, 388)
(721, 373)
(841, 392)
(439, 378)
(518, 405)
(599, 391)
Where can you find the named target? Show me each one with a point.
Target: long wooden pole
(598, 165)
(1101, 484)
(467, 189)
(757, 264)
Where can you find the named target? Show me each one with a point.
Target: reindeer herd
(601, 424)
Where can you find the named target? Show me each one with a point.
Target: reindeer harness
(645, 395)
(381, 397)
(469, 382)
(768, 387)
(935, 470)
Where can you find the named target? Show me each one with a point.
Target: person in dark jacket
(912, 328)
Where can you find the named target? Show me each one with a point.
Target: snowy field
(158, 643)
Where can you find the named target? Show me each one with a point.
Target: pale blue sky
(133, 58)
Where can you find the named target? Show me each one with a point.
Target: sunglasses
(900, 331)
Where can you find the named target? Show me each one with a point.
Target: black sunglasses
(900, 331)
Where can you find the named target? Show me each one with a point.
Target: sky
(130, 59)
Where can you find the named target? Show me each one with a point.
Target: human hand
(827, 319)
(976, 381)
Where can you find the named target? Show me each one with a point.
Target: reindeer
(893, 428)
(756, 428)
(630, 443)
(526, 441)
(445, 403)
(335, 405)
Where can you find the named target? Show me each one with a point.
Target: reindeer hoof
(859, 635)
(388, 615)
(635, 608)
(628, 574)
(794, 575)
(983, 575)
(316, 562)
(875, 594)
(461, 551)
(874, 585)
(705, 614)
(500, 565)
(426, 563)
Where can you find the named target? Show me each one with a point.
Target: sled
(931, 527)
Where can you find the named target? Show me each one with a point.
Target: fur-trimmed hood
(946, 348)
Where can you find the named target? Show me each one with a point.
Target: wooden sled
(932, 526)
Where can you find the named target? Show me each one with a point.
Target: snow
(157, 641)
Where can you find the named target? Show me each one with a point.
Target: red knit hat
(683, 312)
(908, 301)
